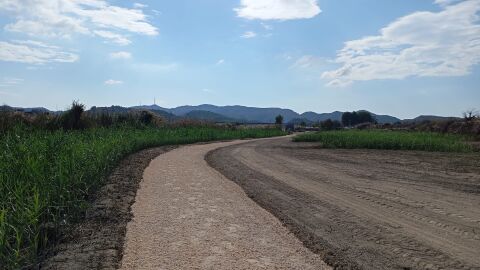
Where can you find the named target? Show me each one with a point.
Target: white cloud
(33, 53)
(278, 9)
(10, 81)
(445, 43)
(206, 90)
(35, 43)
(120, 55)
(139, 5)
(112, 82)
(306, 61)
(445, 2)
(266, 26)
(249, 34)
(220, 62)
(286, 57)
(64, 18)
(113, 37)
(8, 93)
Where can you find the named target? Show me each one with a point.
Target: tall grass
(394, 140)
(46, 177)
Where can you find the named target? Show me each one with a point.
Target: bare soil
(189, 216)
(365, 209)
(97, 242)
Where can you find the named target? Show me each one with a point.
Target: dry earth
(366, 209)
(189, 216)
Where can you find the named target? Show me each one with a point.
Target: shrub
(72, 119)
(330, 125)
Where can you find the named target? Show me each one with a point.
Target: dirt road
(189, 216)
(366, 209)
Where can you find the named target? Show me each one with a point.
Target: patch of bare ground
(366, 209)
(97, 242)
(189, 216)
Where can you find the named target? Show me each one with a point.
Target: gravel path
(189, 216)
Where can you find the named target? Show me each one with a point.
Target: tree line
(348, 119)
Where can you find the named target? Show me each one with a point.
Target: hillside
(121, 110)
(210, 117)
(424, 118)
(242, 113)
(236, 113)
(317, 117)
(36, 110)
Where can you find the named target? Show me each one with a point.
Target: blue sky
(397, 57)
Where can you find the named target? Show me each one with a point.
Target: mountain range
(235, 113)
(259, 115)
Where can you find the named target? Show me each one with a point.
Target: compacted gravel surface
(187, 215)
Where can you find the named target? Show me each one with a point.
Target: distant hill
(237, 113)
(36, 110)
(423, 118)
(122, 110)
(384, 119)
(165, 115)
(108, 110)
(263, 115)
(241, 113)
(150, 108)
(317, 117)
(209, 116)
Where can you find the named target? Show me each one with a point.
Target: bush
(72, 119)
(330, 125)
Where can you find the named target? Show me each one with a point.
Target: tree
(279, 119)
(354, 118)
(327, 124)
(365, 117)
(347, 118)
(470, 114)
(330, 125)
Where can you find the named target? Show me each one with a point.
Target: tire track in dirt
(369, 212)
(466, 232)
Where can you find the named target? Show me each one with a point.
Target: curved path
(189, 216)
(367, 209)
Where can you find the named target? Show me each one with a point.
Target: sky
(399, 57)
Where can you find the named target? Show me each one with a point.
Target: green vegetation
(330, 125)
(47, 176)
(354, 118)
(395, 140)
(279, 119)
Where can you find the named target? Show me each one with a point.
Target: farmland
(388, 140)
(365, 208)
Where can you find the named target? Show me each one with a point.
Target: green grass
(46, 177)
(393, 140)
